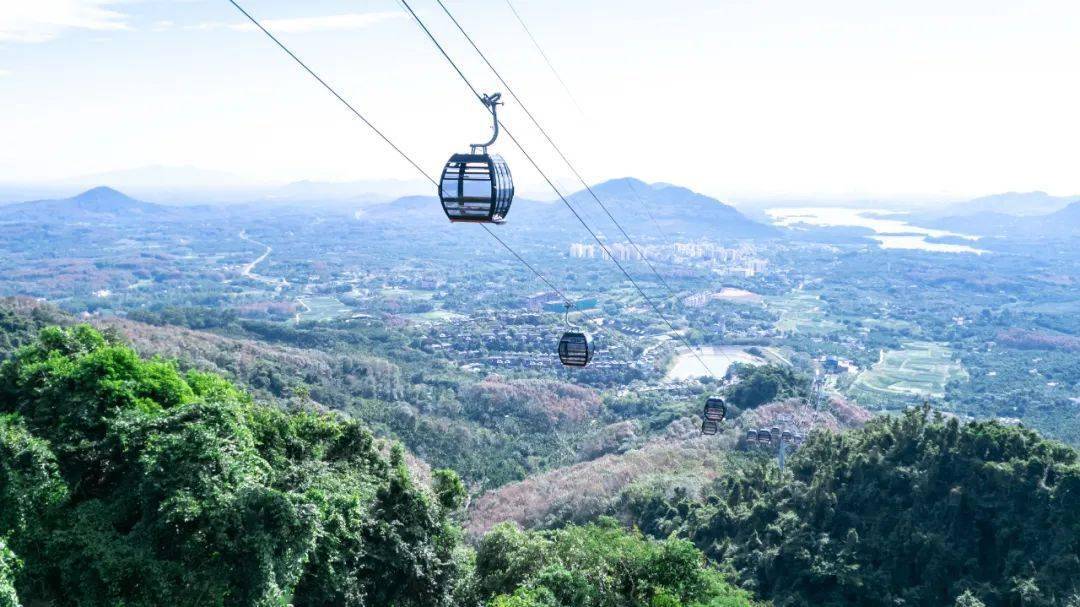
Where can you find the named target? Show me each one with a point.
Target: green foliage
(526, 597)
(764, 384)
(124, 482)
(9, 565)
(192, 318)
(968, 600)
(449, 489)
(30, 483)
(912, 510)
(598, 565)
(21, 321)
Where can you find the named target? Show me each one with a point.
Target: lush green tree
(8, 566)
(449, 489)
(913, 510)
(599, 565)
(968, 600)
(763, 384)
(30, 483)
(526, 597)
(126, 482)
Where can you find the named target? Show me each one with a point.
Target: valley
(434, 340)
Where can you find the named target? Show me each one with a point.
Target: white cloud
(304, 25)
(4, 73)
(43, 20)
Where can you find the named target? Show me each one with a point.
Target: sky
(845, 99)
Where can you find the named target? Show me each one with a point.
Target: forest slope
(126, 482)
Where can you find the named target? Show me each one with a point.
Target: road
(249, 269)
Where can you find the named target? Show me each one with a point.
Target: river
(889, 228)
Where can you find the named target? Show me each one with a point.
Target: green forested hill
(911, 510)
(125, 482)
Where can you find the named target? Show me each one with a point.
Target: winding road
(249, 269)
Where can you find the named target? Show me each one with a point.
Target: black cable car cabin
(712, 415)
(764, 437)
(477, 187)
(715, 410)
(575, 349)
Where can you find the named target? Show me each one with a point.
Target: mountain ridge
(679, 211)
(673, 207)
(95, 202)
(1021, 204)
(1064, 222)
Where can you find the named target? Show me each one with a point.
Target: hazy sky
(737, 98)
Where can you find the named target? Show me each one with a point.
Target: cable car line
(567, 300)
(331, 89)
(386, 139)
(555, 146)
(555, 188)
(550, 65)
(641, 201)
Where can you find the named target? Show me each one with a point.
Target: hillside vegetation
(912, 510)
(126, 482)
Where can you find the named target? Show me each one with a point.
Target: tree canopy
(123, 481)
(126, 482)
(597, 565)
(763, 384)
(911, 510)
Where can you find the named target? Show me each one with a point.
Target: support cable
(386, 139)
(555, 188)
(539, 48)
(555, 146)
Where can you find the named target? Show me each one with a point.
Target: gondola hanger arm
(492, 102)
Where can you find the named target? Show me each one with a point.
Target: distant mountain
(1069, 215)
(680, 213)
(360, 192)
(677, 210)
(1013, 203)
(184, 186)
(416, 210)
(97, 203)
(1062, 223)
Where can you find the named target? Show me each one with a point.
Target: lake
(890, 230)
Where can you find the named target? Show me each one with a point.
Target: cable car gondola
(751, 436)
(715, 410)
(576, 348)
(477, 187)
(764, 436)
(714, 413)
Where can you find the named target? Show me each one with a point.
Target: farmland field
(800, 312)
(918, 369)
(319, 309)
